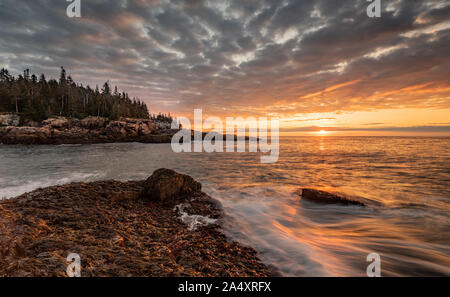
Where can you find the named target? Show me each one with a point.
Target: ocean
(405, 182)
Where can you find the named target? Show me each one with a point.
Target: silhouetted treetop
(38, 99)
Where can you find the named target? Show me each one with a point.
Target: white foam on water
(31, 185)
(254, 216)
(193, 221)
(410, 231)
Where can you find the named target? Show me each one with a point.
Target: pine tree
(38, 99)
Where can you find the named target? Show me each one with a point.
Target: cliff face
(89, 130)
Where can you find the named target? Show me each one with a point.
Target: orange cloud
(332, 88)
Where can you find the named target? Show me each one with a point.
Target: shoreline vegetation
(39, 111)
(164, 226)
(37, 99)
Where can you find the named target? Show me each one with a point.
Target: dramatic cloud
(255, 57)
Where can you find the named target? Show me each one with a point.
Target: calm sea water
(406, 182)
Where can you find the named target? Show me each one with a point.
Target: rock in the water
(327, 198)
(166, 185)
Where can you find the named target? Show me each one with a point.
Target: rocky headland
(61, 130)
(164, 226)
(90, 130)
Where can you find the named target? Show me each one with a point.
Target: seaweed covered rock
(327, 198)
(116, 234)
(167, 185)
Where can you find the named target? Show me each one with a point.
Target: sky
(317, 65)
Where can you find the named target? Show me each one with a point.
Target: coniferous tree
(38, 99)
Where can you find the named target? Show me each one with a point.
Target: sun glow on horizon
(322, 132)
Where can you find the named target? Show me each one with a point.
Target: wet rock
(167, 185)
(115, 234)
(327, 198)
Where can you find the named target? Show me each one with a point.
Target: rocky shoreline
(164, 226)
(90, 130)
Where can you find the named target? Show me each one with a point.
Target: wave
(20, 188)
(302, 238)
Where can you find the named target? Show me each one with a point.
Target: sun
(322, 132)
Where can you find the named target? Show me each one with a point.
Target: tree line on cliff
(38, 98)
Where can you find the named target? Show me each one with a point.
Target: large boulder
(130, 120)
(166, 185)
(164, 125)
(74, 122)
(130, 128)
(117, 130)
(147, 128)
(30, 123)
(9, 119)
(25, 135)
(327, 198)
(56, 123)
(93, 122)
(74, 135)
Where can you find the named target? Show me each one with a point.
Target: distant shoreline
(90, 130)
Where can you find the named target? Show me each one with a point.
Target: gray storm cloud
(255, 56)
